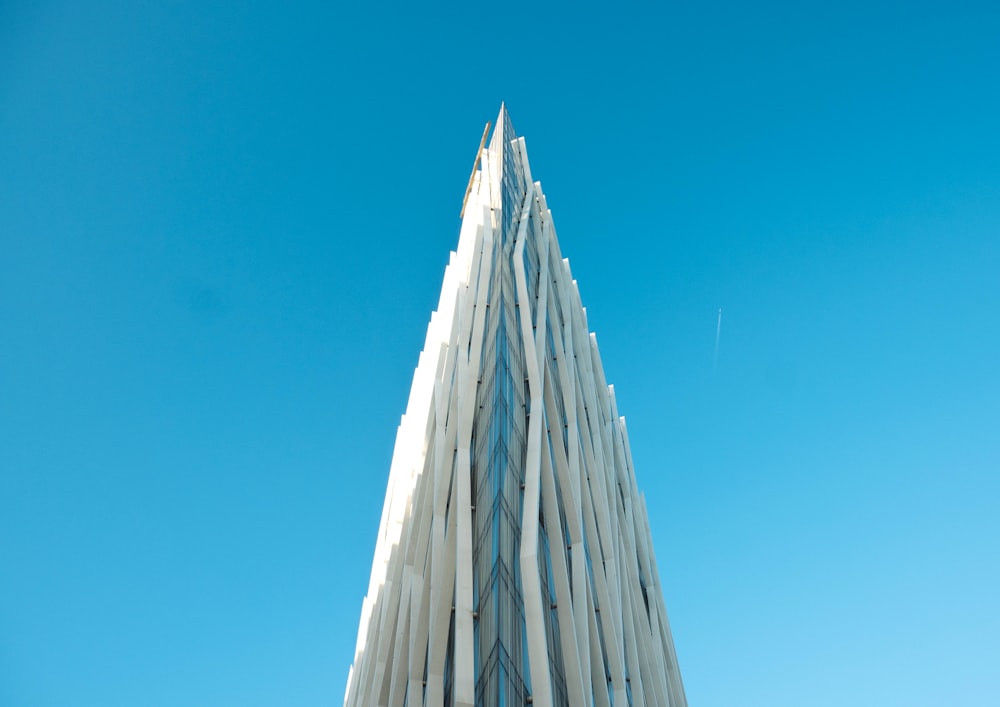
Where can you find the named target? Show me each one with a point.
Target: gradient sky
(223, 227)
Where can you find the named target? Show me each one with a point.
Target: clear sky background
(223, 227)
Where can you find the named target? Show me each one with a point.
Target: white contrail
(718, 331)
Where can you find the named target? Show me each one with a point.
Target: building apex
(503, 124)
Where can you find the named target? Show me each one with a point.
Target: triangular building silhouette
(514, 563)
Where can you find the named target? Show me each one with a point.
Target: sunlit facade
(514, 563)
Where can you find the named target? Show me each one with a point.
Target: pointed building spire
(514, 563)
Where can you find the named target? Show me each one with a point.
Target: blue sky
(224, 227)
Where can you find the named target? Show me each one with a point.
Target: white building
(514, 563)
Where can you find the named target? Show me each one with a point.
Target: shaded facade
(514, 563)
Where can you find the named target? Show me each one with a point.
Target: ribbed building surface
(514, 563)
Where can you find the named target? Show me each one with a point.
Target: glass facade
(498, 457)
(498, 462)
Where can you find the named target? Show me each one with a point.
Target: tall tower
(514, 563)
